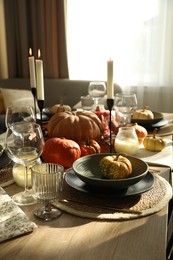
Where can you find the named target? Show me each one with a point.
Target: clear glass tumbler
(46, 185)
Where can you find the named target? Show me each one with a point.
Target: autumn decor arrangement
(75, 134)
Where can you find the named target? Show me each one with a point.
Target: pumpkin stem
(154, 133)
(145, 108)
(98, 108)
(118, 155)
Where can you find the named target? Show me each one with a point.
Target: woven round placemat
(6, 176)
(90, 206)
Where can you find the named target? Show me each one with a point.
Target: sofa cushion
(2, 107)
(17, 97)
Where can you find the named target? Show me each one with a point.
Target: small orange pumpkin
(140, 131)
(62, 151)
(90, 147)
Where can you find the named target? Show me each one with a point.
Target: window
(136, 34)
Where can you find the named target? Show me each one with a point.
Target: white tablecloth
(164, 157)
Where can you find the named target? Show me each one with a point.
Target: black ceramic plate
(4, 160)
(161, 123)
(157, 118)
(87, 168)
(142, 186)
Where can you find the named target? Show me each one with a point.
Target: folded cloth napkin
(13, 221)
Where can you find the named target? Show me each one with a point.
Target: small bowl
(157, 118)
(88, 170)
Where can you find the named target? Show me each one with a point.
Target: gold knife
(119, 209)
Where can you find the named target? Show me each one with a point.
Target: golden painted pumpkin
(115, 167)
(143, 114)
(77, 126)
(153, 143)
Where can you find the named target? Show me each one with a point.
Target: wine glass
(16, 114)
(46, 185)
(125, 105)
(97, 90)
(24, 144)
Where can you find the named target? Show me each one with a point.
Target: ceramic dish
(88, 170)
(142, 186)
(157, 117)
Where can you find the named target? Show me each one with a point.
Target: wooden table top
(72, 237)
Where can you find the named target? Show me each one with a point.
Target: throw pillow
(2, 107)
(17, 97)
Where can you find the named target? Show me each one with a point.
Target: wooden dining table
(73, 237)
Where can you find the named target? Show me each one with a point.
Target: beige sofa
(56, 91)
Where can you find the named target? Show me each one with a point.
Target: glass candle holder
(126, 141)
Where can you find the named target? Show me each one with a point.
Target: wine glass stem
(96, 101)
(128, 119)
(48, 207)
(26, 177)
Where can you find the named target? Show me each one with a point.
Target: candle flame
(30, 51)
(39, 53)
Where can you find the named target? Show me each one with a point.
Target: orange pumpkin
(77, 126)
(90, 147)
(62, 151)
(140, 131)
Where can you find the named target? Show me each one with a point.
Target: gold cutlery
(119, 209)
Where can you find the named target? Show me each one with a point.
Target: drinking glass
(24, 144)
(125, 106)
(97, 90)
(47, 184)
(18, 114)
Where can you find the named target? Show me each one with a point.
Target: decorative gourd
(59, 108)
(143, 114)
(77, 126)
(62, 151)
(104, 116)
(115, 167)
(154, 143)
(90, 147)
(140, 131)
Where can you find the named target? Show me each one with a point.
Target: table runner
(147, 203)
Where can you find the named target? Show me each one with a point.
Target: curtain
(40, 25)
(3, 50)
(137, 35)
